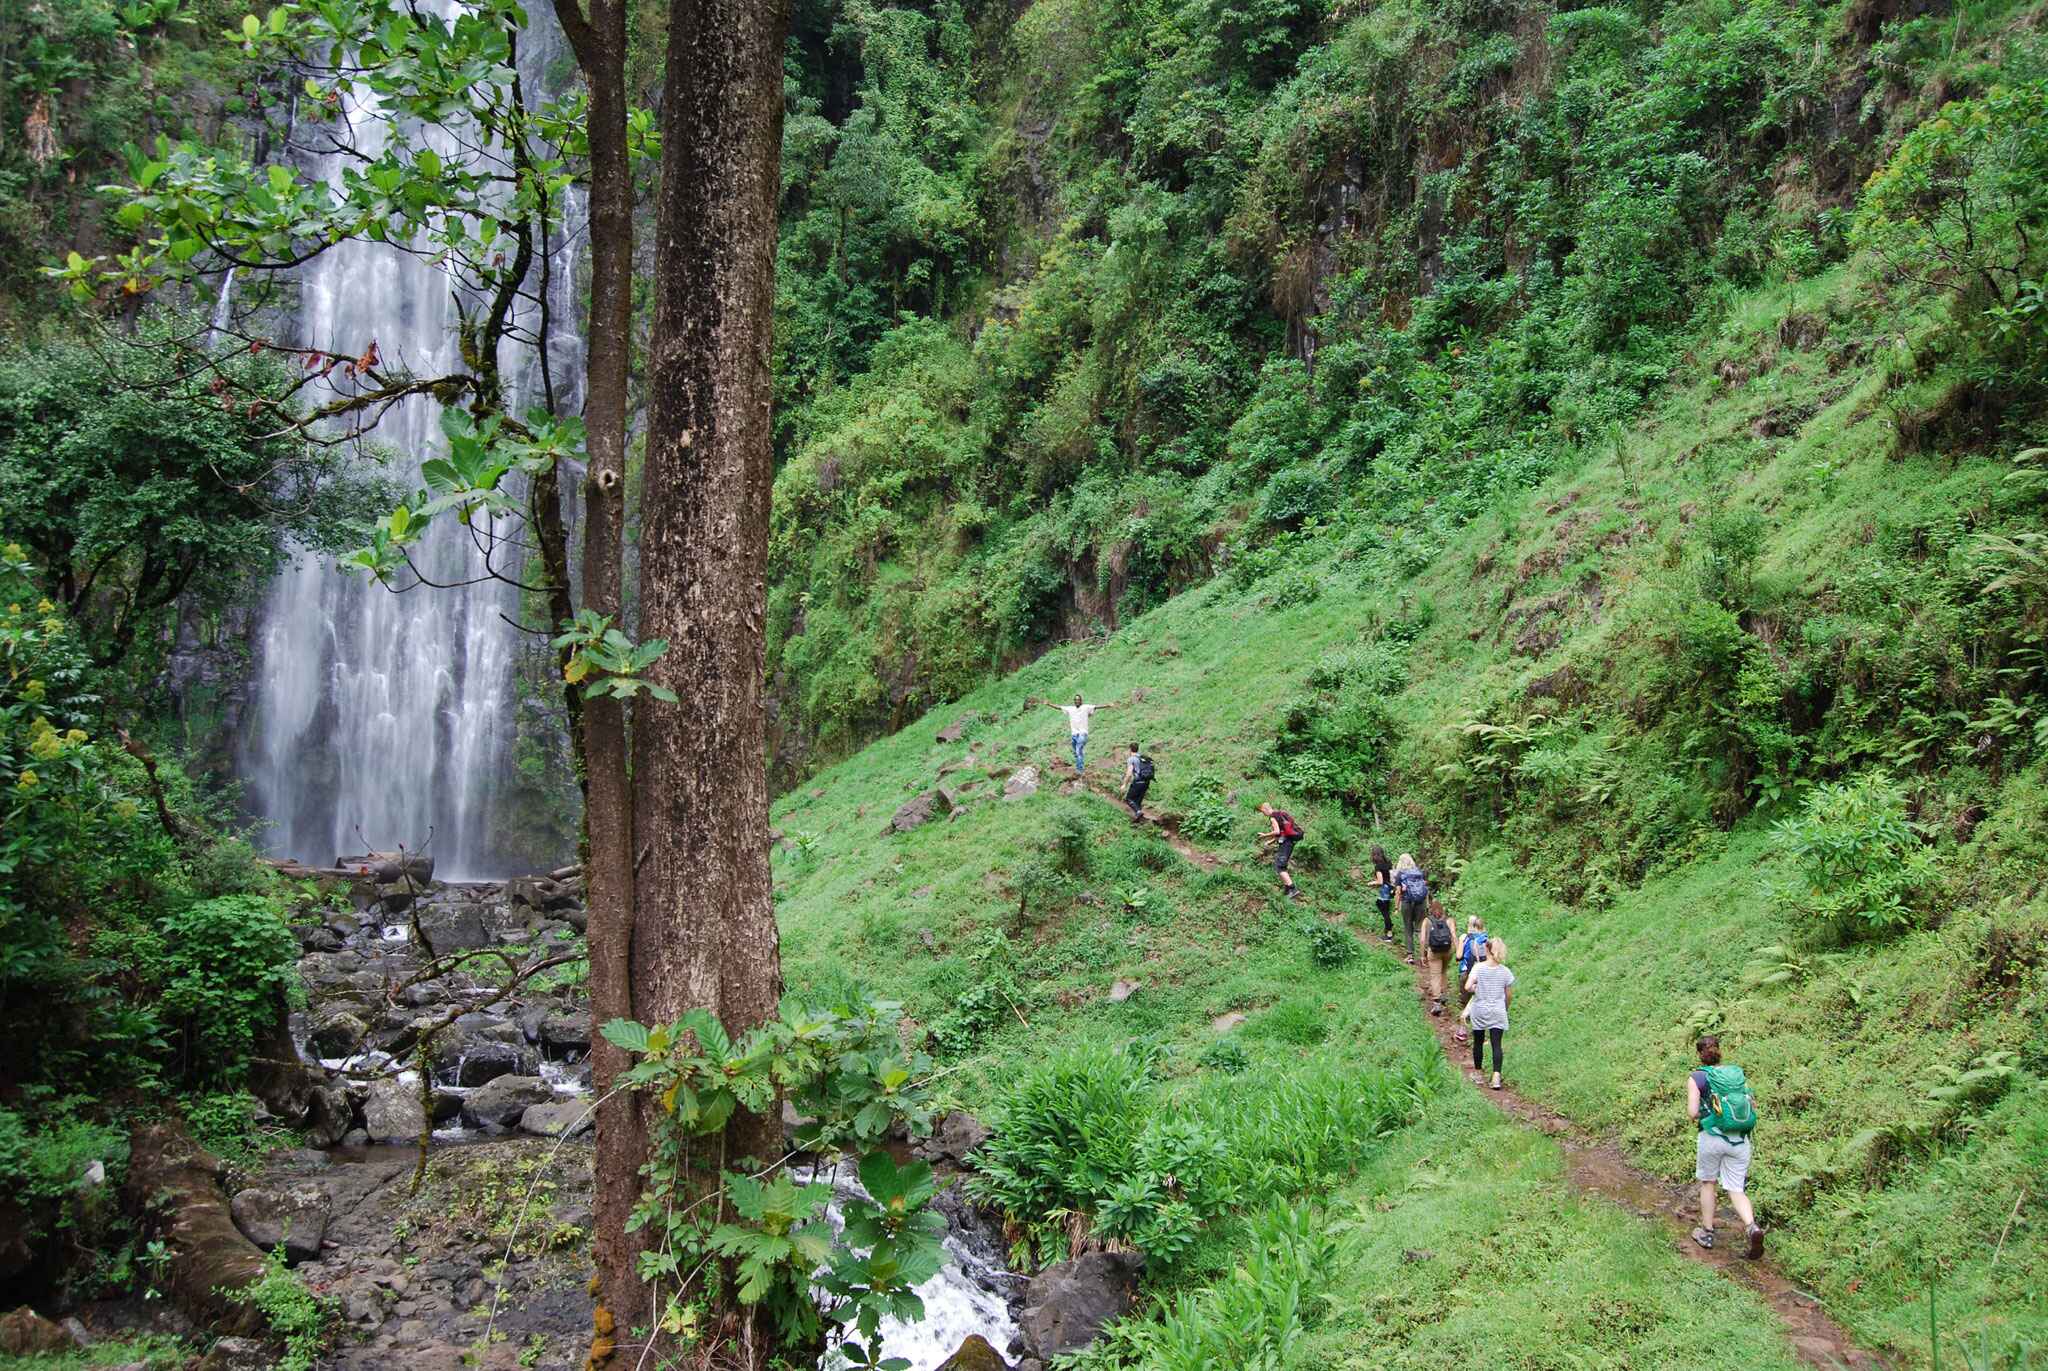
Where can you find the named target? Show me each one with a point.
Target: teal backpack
(1726, 1106)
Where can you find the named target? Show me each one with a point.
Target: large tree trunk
(600, 46)
(703, 921)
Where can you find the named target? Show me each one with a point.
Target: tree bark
(599, 43)
(704, 920)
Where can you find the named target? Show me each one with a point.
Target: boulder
(397, 898)
(920, 810)
(576, 916)
(295, 1216)
(1022, 782)
(952, 732)
(327, 974)
(337, 1033)
(328, 1115)
(317, 938)
(474, 1061)
(447, 928)
(562, 1118)
(24, 1333)
(1066, 1306)
(975, 1355)
(239, 1354)
(956, 1135)
(500, 1102)
(392, 1113)
(1123, 990)
(566, 1031)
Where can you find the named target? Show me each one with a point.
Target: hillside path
(1592, 1166)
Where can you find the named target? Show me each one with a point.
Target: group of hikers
(1718, 1100)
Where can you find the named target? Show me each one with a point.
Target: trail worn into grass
(1595, 1167)
(1162, 822)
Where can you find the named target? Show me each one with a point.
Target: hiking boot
(1755, 1249)
(1436, 1011)
(1292, 893)
(1704, 1237)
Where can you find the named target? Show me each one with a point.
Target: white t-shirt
(1077, 717)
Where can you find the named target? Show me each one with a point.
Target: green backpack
(1726, 1106)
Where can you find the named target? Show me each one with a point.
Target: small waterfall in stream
(382, 718)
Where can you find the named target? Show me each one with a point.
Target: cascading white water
(384, 718)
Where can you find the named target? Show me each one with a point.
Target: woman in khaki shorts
(1720, 1159)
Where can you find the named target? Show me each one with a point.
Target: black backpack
(1143, 771)
(1439, 933)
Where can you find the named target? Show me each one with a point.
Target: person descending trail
(1413, 888)
(1137, 780)
(1493, 989)
(1471, 951)
(1383, 891)
(1718, 1099)
(1077, 729)
(1439, 940)
(1281, 837)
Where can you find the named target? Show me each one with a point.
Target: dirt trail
(1594, 1167)
(1166, 824)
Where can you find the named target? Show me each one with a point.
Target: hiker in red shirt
(1281, 837)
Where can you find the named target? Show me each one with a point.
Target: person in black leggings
(1493, 989)
(1383, 890)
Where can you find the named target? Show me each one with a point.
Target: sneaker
(1704, 1238)
(1496, 1080)
(1386, 937)
(1756, 1242)
(1436, 1011)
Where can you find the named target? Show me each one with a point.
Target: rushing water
(384, 718)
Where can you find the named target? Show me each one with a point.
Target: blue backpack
(1413, 885)
(1473, 950)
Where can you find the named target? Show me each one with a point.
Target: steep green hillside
(1082, 302)
(1634, 712)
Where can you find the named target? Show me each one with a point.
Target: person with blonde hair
(1493, 989)
(1413, 887)
(1471, 951)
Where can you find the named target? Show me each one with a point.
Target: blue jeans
(1080, 741)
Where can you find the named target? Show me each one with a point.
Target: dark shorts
(1135, 796)
(1282, 852)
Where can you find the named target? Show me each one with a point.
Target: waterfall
(384, 718)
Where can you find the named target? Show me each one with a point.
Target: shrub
(1858, 865)
(1329, 945)
(1294, 495)
(227, 965)
(1227, 1055)
(296, 1316)
(1206, 815)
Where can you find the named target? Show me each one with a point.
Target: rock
(958, 1134)
(500, 1102)
(328, 1115)
(952, 732)
(239, 1354)
(1223, 1023)
(210, 1259)
(24, 1333)
(397, 897)
(975, 1355)
(566, 1031)
(462, 1060)
(355, 1137)
(392, 1113)
(921, 810)
(576, 916)
(1123, 990)
(1066, 1306)
(387, 868)
(318, 938)
(337, 1033)
(80, 1334)
(445, 1106)
(453, 928)
(1416, 1254)
(1021, 783)
(295, 1216)
(1074, 787)
(569, 1117)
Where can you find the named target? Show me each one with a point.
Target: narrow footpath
(1592, 1166)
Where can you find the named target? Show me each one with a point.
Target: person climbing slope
(1077, 729)
(1493, 989)
(1413, 888)
(1137, 780)
(1281, 837)
(1471, 951)
(1439, 942)
(1718, 1099)
(1383, 891)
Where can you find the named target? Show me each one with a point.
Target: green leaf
(251, 27)
(626, 1034)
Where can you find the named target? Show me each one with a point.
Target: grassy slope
(1600, 1026)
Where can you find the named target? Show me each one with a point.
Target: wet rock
(397, 897)
(295, 1216)
(566, 1031)
(318, 938)
(1022, 782)
(473, 1060)
(453, 928)
(975, 1355)
(1066, 1306)
(239, 1354)
(328, 1116)
(956, 1135)
(500, 1102)
(568, 1117)
(919, 811)
(25, 1333)
(337, 1033)
(575, 916)
(392, 1113)
(445, 1106)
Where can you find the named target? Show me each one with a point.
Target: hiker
(1413, 888)
(1718, 1099)
(1383, 891)
(1493, 990)
(1137, 780)
(1439, 940)
(1282, 837)
(1471, 951)
(1077, 729)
